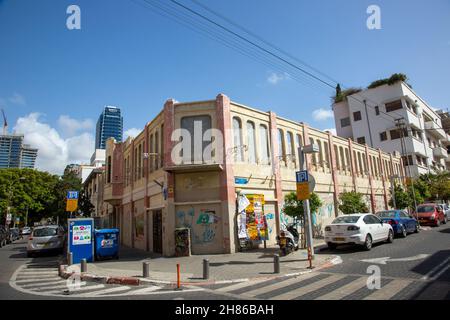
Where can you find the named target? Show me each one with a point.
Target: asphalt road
(417, 267)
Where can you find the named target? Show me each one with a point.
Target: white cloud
(54, 151)
(322, 114)
(133, 132)
(70, 126)
(332, 130)
(274, 78)
(17, 99)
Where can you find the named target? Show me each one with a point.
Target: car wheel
(404, 233)
(445, 220)
(331, 245)
(417, 229)
(368, 243)
(438, 223)
(390, 238)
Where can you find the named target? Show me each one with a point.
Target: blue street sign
(238, 180)
(81, 239)
(72, 195)
(302, 176)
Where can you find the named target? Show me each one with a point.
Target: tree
(294, 208)
(85, 205)
(402, 198)
(352, 202)
(438, 185)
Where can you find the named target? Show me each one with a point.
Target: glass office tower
(109, 124)
(15, 154)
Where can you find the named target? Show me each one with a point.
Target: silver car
(46, 239)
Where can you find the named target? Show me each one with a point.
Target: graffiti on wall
(203, 226)
(182, 248)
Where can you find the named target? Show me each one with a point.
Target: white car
(26, 231)
(360, 228)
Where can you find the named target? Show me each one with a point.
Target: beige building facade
(152, 192)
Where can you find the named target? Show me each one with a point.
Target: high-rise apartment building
(393, 117)
(109, 124)
(14, 153)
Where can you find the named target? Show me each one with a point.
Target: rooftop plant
(390, 81)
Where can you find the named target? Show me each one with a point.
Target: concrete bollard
(205, 269)
(276, 263)
(70, 259)
(83, 265)
(146, 269)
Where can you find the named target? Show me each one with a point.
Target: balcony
(440, 152)
(434, 130)
(446, 141)
(414, 145)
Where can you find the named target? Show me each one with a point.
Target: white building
(369, 116)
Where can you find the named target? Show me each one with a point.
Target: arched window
(326, 155)
(281, 146)
(139, 168)
(343, 165)
(290, 144)
(348, 160)
(299, 142)
(152, 150)
(157, 152)
(321, 160)
(361, 169)
(251, 142)
(337, 156)
(237, 139)
(264, 145)
(313, 155)
(161, 156)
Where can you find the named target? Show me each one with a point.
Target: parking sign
(302, 176)
(72, 195)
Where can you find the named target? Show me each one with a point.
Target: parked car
(402, 223)
(360, 229)
(26, 231)
(46, 239)
(3, 236)
(430, 214)
(446, 209)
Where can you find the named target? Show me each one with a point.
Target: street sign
(9, 217)
(305, 184)
(71, 205)
(302, 176)
(72, 194)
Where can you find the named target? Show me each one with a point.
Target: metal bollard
(83, 265)
(276, 263)
(178, 277)
(146, 269)
(70, 259)
(205, 269)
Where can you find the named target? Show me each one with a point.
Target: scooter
(288, 239)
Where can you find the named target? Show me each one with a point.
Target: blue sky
(54, 81)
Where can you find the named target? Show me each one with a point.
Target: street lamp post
(302, 151)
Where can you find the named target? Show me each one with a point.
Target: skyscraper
(14, 153)
(109, 124)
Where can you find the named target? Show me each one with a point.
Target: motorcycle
(288, 240)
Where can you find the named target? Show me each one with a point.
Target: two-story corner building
(155, 187)
(369, 116)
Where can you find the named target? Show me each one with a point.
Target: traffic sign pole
(306, 209)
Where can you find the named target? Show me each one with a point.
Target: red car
(430, 214)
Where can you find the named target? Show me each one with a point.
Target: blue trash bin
(106, 243)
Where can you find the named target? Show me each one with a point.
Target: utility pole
(368, 124)
(401, 127)
(393, 191)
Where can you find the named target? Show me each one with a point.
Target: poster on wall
(255, 220)
(182, 243)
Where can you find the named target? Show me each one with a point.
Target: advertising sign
(80, 239)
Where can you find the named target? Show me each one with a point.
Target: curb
(136, 281)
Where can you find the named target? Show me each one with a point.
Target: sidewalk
(224, 268)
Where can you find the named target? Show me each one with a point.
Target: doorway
(157, 231)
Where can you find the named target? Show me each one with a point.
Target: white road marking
(344, 291)
(384, 260)
(442, 264)
(238, 286)
(308, 288)
(105, 291)
(75, 291)
(42, 283)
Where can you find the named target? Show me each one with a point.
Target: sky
(54, 81)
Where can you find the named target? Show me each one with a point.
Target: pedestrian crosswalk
(43, 279)
(326, 286)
